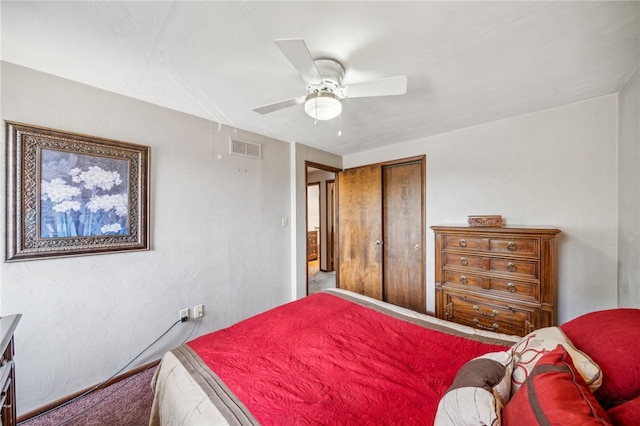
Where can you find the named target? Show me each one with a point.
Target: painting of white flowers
(74, 194)
(83, 195)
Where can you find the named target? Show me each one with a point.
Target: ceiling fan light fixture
(322, 105)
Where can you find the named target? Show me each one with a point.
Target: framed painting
(70, 194)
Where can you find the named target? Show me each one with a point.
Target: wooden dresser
(312, 245)
(8, 325)
(501, 279)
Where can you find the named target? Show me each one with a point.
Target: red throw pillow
(554, 393)
(626, 414)
(610, 338)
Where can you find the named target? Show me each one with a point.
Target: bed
(337, 357)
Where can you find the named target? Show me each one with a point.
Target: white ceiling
(466, 62)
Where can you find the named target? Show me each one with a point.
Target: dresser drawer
(463, 261)
(517, 289)
(487, 314)
(461, 278)
(527, 291)
(514, 266)
(462, 243)
(516, 246)
(526, 268)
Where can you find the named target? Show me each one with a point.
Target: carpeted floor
(319, 280)
(126, 403)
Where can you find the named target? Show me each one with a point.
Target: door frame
(326, 168)
(330, 208)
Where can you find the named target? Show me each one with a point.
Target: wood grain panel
(402, 225)
(360, 226)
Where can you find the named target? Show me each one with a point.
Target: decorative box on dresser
(8, 325)
(501, 279)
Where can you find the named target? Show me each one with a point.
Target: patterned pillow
(534, 345)
(554, 394)
(479, 391)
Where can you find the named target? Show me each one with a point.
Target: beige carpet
(319, 280)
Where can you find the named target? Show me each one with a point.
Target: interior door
(360, 230)
(403, 230)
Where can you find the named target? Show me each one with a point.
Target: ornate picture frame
(70, 194)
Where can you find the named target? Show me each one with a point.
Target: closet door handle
(377, 242)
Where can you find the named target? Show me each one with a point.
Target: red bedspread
(326, 360)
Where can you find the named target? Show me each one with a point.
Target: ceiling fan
(325, 91)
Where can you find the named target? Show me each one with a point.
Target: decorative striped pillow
(479, 391)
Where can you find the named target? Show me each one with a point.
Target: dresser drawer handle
(493, 327)
(462, 243)
(511, 267)
(492, 314)
(463, 279)
(511, 246)
(464, 261)
(512, 288)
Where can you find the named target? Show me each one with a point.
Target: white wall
(216, 238)
(629, 193)
(555, 167)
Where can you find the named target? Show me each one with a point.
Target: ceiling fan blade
(266, 109)
(297, 53)
(385, 87)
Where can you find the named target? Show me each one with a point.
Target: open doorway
(320, 225)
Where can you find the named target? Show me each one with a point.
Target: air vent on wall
(245, 149)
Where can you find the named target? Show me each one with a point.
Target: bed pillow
(479, 391)
(534, 345)
(626, 414)
(554, 393)
(611, 337)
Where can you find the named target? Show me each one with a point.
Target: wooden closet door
(403, 228)
(360, 230)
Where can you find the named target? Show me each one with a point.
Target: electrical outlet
(184, 314)
(198, 311)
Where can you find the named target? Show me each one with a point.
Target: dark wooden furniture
(380, 250)
(501, 279)
(8, 325)
(312, 245)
